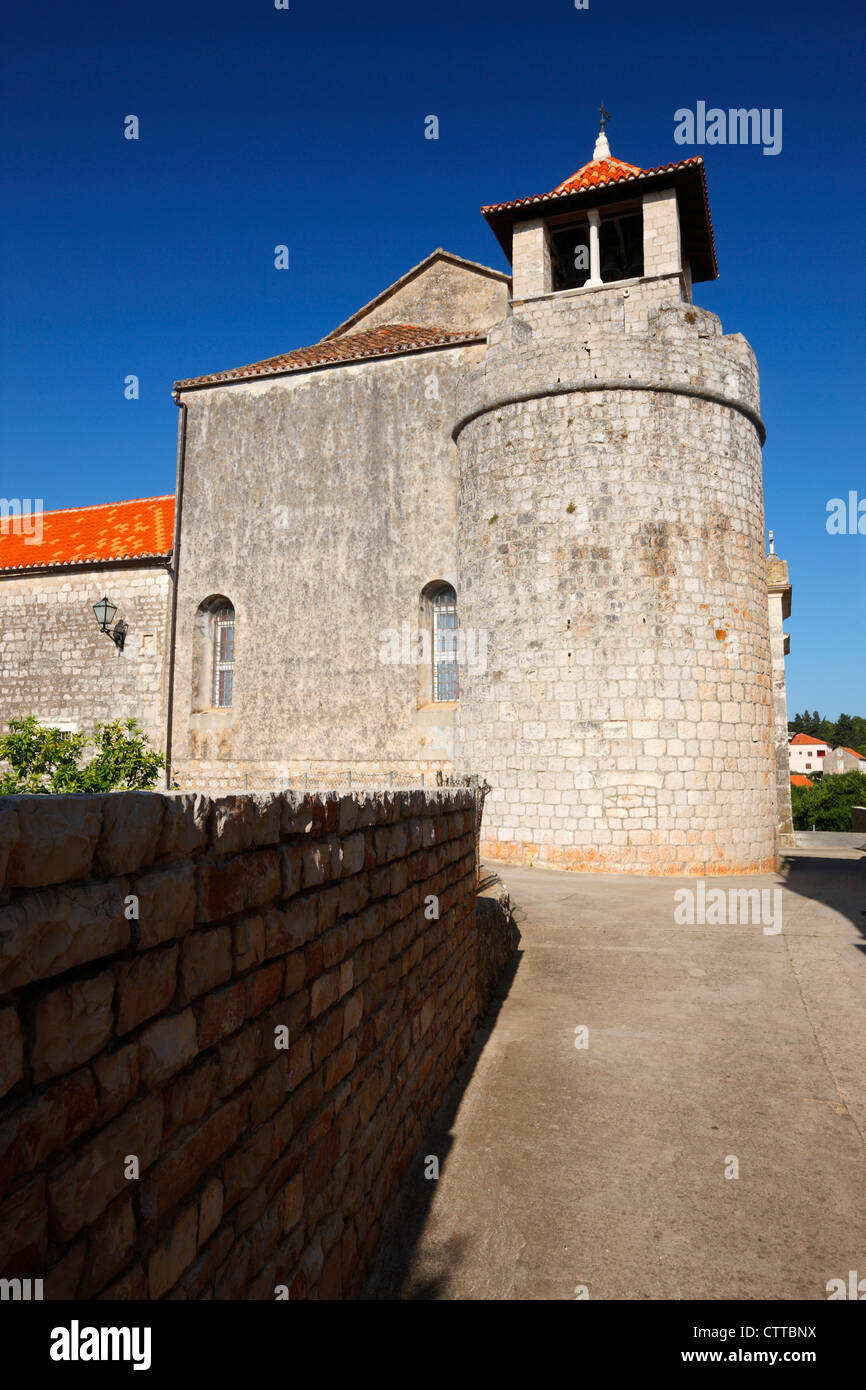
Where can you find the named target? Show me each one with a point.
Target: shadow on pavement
(393, 1260)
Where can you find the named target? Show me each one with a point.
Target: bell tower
(611, 541)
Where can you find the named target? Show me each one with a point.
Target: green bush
(116, 758)
(827, 805)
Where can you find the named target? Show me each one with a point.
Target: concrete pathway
(605, 1166)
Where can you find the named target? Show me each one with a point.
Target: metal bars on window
(445, 673)
(224, 656)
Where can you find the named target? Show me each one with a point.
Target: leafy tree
(117, 758)
(827, 805)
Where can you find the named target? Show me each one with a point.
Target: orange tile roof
(141, 528)
(598, 173)
(388, 338)
(807, 738)
(853, 751)
(798, 780)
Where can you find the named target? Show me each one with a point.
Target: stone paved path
(605, 1166)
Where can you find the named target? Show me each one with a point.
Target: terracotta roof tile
(85, 535)
(807, 738)
(374, 342)
(853, 751)
(598, 173)
(798, 780)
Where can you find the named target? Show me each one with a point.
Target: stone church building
(508, 526)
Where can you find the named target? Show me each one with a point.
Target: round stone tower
(611, 544)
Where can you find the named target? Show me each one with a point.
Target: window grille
(445, 675)
(224, 656)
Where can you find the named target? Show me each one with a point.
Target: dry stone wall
(225, 1023)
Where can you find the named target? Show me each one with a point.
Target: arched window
(446, 685)
(213, 655)
(438, 672)
(223, 656)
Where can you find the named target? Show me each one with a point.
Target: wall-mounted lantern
(105, 611)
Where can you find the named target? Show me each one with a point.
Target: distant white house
(845, 760)
(808, 754)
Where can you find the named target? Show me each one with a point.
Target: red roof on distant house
(853, 752)
(798, 780)
(807, 738)
(138, 529)
(383, 341)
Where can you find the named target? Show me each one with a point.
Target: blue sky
(305, 127)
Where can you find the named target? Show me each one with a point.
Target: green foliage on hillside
(116, 758)
(827, 805)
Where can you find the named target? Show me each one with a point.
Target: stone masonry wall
(268, 1037)
(221, 775)
(334, 493)
(611, 545)
(57, 665)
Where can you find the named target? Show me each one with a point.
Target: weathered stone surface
(188, 1098)
(80, 1192)
(52, 1122)
(210, 1210)
(297, 815)
(354, 852)
(244, 1169)
(165, 1047)
(9, 831)
(72, 1024)
(248, 937)
(63, 1279)
(145, 986)
(23, 1230)
(239, 1057)
(56, 841)
(131, 825)
(290, 927)
(221, 1013)
(206, 962)
(268, 1091)
(324, 992)
(110, 1246)
(293, 1202)
(166, 904)
(11, 1050)
(264, 988)
(180, 1170)
(295, 972)
(184, 824)
(44, 933)
(226, 887)
(168, 1262)
(291, 859)
(321, 862)
(131, 1285)
(117, 1076)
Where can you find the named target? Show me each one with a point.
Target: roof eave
(152, 559)
(201, 383)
